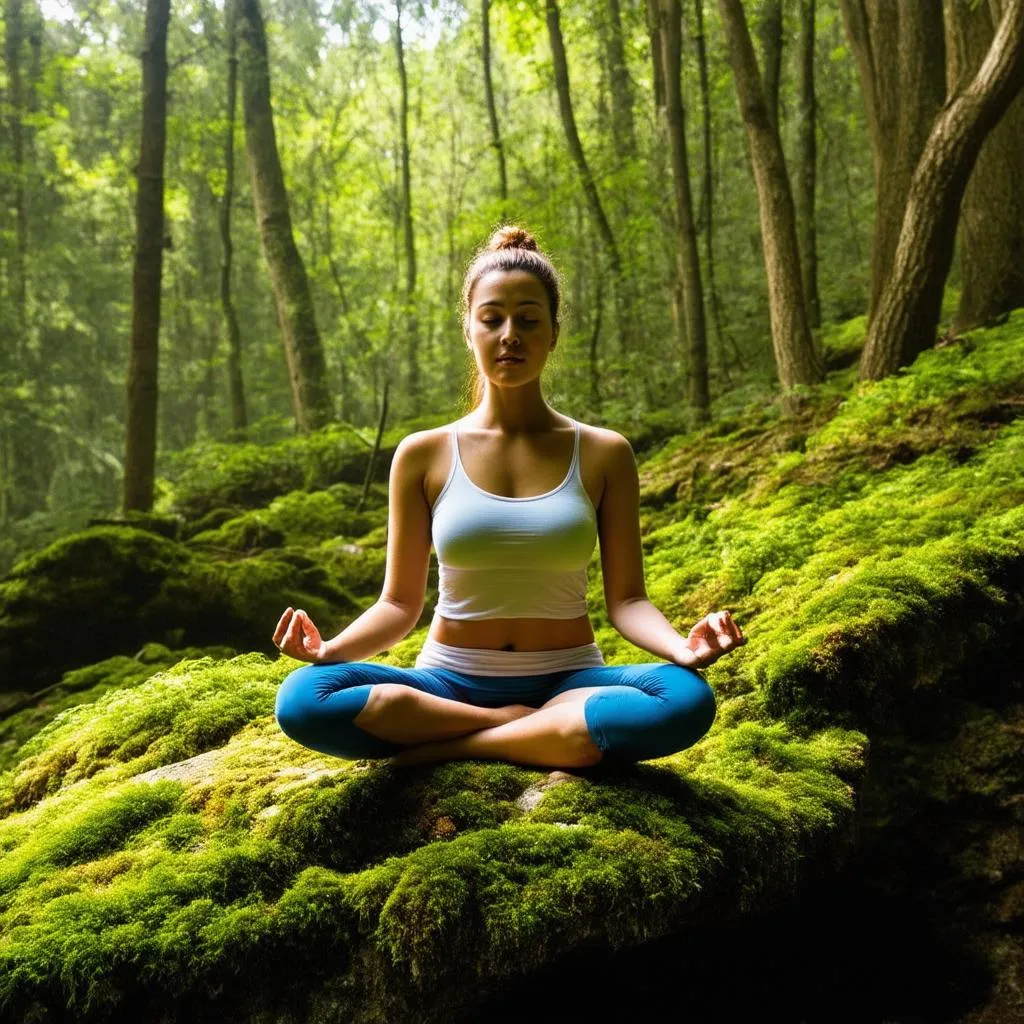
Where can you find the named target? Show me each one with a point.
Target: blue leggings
(644, 711)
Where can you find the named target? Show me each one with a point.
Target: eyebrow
(525, 302)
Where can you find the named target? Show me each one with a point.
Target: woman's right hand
(297, 637)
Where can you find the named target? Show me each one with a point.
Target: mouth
(509, 359)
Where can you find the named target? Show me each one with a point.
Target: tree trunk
(143, 380)
(653, 32)
(307, 369)
(771, 55)
(236, 387)
(908, 310)
(796, 359)
(492, 113)
(623, 133)
(706, 217)
(992, 215)
(692, 331)
(15, 36)
(411, 329)
(900, 54)
(807, 231)
(589, 188)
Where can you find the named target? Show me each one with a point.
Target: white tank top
(512, 557)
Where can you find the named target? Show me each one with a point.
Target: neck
(514, 411)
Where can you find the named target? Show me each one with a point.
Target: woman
(510, 669)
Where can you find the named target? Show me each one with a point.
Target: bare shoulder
(607, 445)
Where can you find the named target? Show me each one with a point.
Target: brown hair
(509, 248)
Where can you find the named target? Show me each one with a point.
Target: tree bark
(691, 325)
(604, 230)
(991, 238)
(492, 113)
(411, 327)
(807, 232)
(796, 358)
(143, 378)
(304, 354)
(771, 55)
(900, 52)
(236, 387)
(15, 37)
(908, 310)
(706, 217)
(623, 133)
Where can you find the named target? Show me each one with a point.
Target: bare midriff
(515, 469)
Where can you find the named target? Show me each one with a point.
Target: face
(510, 316)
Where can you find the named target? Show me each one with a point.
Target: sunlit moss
(866, 549)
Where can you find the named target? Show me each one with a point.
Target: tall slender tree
(691, 326)
(492, 112)
(604, 229)
(623, 132)
(304, 354)
(143, 368)
(807, 166)
(796, 358)
(411, 327)
(236, 387)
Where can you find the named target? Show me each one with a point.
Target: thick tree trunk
(492, 113)
(692, 330)
(604, 230)
(771, 54)
(307, 369)
(143, 381)
(807, 231)
(411, 327)
(992, 214)
(908, 311)
(796, 358)
(900, 54)
(236, 387)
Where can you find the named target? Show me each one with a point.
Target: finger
(731, 627)
(282, 626)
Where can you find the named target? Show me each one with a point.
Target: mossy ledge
(167, 853)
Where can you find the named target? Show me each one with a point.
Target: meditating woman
(509, 669)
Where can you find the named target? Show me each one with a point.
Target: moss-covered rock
(166, 851)
(110, 589)
(23, 718)
(205, 892)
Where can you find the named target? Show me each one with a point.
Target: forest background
(670, 158)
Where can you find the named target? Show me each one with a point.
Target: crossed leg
(554, 735)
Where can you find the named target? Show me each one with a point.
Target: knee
(693, 707)
(292, 704)
(302, 699)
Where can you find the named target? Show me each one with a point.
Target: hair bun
(510, 236)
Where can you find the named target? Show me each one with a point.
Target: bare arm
(405, 579)
(381, 626)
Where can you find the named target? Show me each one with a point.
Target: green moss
(84, 685)
(300, 519)
(869, 549)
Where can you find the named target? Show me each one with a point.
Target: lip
(509, 359)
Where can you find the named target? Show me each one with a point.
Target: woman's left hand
(716, 634)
